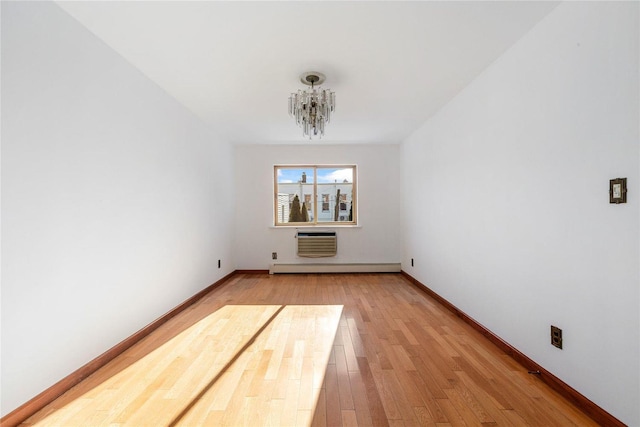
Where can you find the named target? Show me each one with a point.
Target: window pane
(294, 195)
(336, 187)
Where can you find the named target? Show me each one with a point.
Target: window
(315, 195)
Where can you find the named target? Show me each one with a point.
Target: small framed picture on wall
(618, 190)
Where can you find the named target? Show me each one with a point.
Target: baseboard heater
(392, 267)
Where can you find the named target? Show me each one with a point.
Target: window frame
(315, 196)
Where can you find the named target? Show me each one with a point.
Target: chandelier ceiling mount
(311, 78)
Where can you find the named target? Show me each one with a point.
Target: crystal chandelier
(311, 109)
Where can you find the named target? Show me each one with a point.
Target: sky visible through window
(325, 175)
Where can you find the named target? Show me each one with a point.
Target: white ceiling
(392, 64)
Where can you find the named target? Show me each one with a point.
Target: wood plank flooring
(320, 350)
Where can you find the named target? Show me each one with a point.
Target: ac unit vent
(316, 244)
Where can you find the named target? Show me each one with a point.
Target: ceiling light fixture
(311, 109)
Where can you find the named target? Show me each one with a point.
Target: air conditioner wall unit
(316, 244)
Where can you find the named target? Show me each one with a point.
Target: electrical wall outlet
(556, 337)
(411, 262)
(274, 255)
(218, 263)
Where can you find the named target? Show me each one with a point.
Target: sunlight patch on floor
(242, 365)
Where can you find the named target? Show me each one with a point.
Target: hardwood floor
(321, 350)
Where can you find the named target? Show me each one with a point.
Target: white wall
(377, 239)
(511, 179)
(111, 200)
